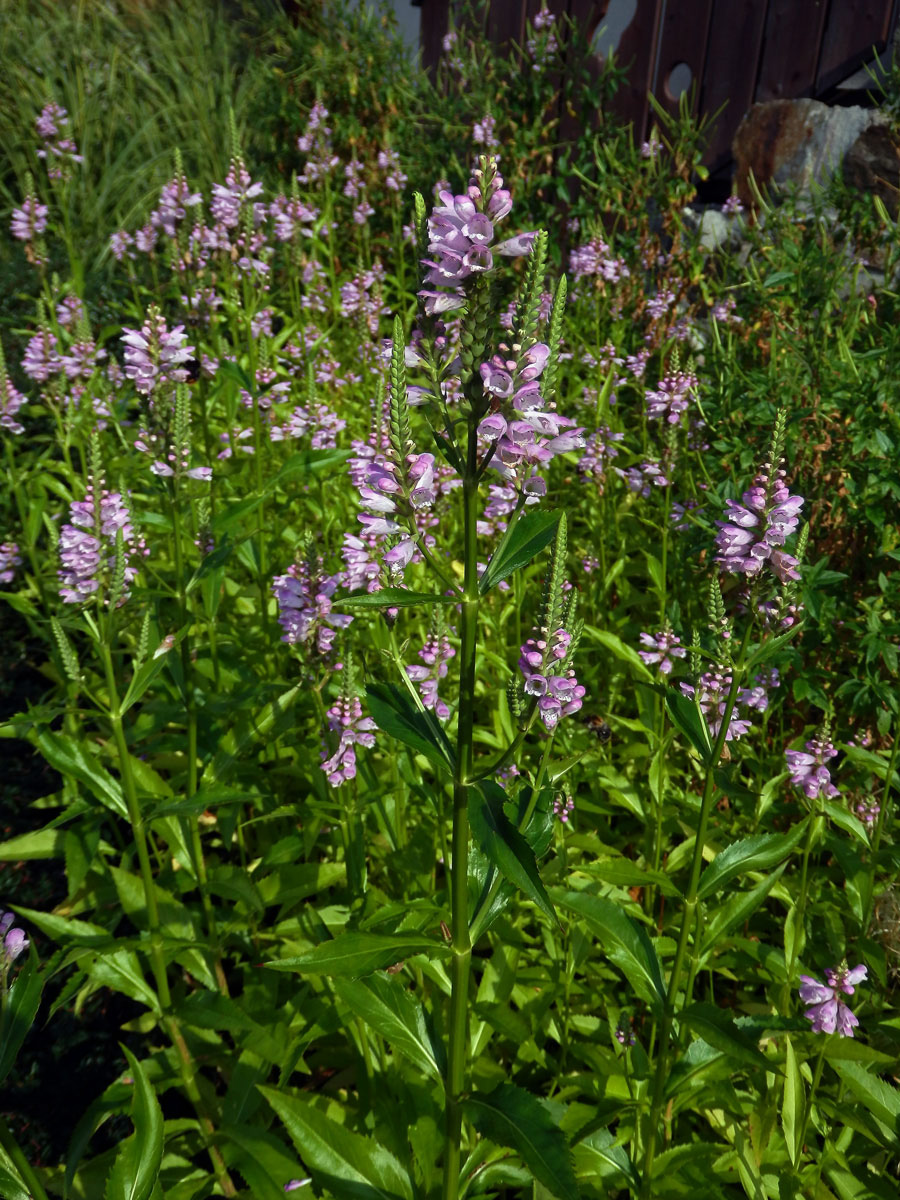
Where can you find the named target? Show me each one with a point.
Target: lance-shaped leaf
(689, 720)
(502, 844)
(136, 1169)
(880, 1098)
(354, 954)
(793, 1103)
(18, 1015)
(386, 1006)
(625, 942)
(757, 853)
(392, 597)
(532, 532)
(346, 1163)
(73, 761)
(269, 721)
(393, 711)
(513, 1117)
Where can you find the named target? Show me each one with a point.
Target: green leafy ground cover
(462, 656)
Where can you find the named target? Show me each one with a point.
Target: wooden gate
(739, 51)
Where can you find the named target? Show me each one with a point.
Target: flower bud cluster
(527, 437)
(672, 397)
(662, 647)
(14, 941)
(827, 1012)
(10, 559)
(461, 233)
(28, 224)
(59, 150)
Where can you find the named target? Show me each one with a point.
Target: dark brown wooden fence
(739, 51)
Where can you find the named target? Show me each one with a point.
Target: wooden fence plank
(637, 52)
(852, 29)
(683, 41)
(729, 78)
(790, 52)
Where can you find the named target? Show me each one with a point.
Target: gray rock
(797, 142)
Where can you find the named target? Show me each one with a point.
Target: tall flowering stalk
(751, 538)
(492, 408)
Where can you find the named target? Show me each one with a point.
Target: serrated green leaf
(513, 1117)
(736, 910)
(626, 943)
(386, 1006)
(262, 1159)
(136, 1169)
(394, 712)
(73, 762)
(719, 1030)
(351, 1165)
(533, 531)
(880, 1098)
(502, 844)
(271, 719)
(354, 954)
(600, 1154)
(306, 462)
(756, 853)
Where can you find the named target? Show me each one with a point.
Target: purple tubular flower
(672, 397)
(808, 770)
(827, 1012)
(155, 354)
(10, 559)
(559, 695)
(29, 221)
(304, 603)
(14, 941)
(11, 400)
(661, 648)
(435, 654)
(356, 730)
(754, 531)
(87, 545)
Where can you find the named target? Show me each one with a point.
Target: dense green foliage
(508, 949)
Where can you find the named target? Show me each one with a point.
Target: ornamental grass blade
(345, 1163)
(510, 1116)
